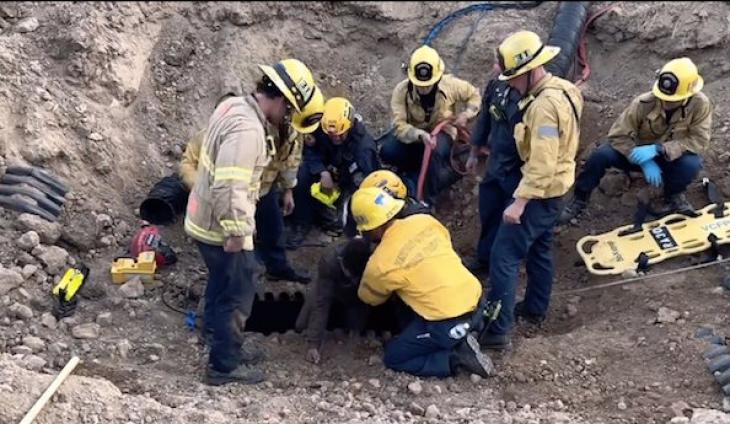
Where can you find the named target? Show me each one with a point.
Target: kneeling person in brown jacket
(338, 277)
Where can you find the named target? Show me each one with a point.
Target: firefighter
(420, 102)
(342, 155)
(280, 175)
(662, 133)
(546, 141)
(237, 148)
(494, 131)
(415, 259)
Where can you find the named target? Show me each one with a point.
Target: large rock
(9, 280)
(666, 315)
(49, 232)
(27, 25)
(709, 416)
(86, 331)
(54, 258)
(21, 311)
(35, 343)
(34, 363)
(132, 289)
(29, 241)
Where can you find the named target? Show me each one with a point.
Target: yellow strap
(205, 161)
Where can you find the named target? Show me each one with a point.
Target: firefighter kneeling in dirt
(419, 103)
(415, 259)
(237, 148)
(662, 133)
(342, 155)
(547, 141)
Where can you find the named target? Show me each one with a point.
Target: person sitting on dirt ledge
(342, 155)
(237, 148)
(661, 133)
(279, 174)
(415, 259)
(419, 103)
(547, 141)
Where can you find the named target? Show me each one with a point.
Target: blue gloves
(652, 173)
(641, 154)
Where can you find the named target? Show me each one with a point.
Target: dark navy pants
(228, 300)
(532, 242)
(676, 174)
(270, 233)
(493, 200)
(424, 348)
(407, 158)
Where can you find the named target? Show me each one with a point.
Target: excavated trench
(277, 313)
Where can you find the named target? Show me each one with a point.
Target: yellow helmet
(678, 80)
(522, 52)
(338, 115)
(372, 207)
(386, 180)
(307, 120)
(425, 67)
(293, 79)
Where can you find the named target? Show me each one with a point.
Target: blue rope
(483, 7)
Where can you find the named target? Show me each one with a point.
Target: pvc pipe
(50, 391)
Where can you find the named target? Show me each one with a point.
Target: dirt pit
(107, 94)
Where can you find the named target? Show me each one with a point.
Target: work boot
(572, 210)
(521, 313)
(468, 356)
(678, 203)
(243, 375)
(296, 236)
(493, 341)
(289, 274)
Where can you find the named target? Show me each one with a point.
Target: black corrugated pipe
(566, 34)
(166, 200)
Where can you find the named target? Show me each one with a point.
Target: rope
(643, 277)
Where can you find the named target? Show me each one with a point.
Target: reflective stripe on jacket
(233, 156)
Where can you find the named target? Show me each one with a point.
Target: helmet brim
(547, 54)
(677, 97)
(270, 72)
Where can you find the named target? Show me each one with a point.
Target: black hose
(34, 194)
(31, 181)
(23, 206)
(566, 34)
(166, 200)
(40, 175)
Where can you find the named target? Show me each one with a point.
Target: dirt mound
(106, 95)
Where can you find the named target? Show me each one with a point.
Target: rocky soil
(105, 95)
